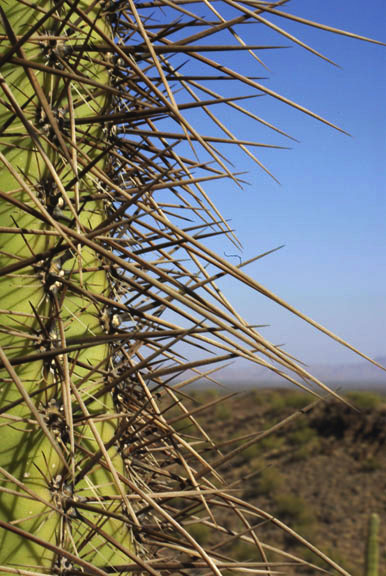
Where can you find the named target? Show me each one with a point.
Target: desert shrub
(276, 403)
(223, 411)
(295, 511)
(332, 553)
(269, 481)
(209, 395)
(296, 400)
(272, 442)
(243, 551)
(251, 453)
(303, 434)
(184, 425)
(366, 400)
(200, 532)
(371, 464)
(306, 450)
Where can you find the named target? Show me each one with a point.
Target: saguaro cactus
(104, 272)
(372, 546)
(47, 303)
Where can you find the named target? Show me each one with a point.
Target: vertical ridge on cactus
(105, 272)
(42, 154)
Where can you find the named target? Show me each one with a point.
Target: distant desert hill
(323, 473)
(356, 375)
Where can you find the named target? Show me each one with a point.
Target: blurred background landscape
(357, 375)
(323, 472)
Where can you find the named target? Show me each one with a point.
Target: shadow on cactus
(105, 273)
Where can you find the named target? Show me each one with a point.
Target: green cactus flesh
(40, 312)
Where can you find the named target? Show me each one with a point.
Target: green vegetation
(366, 400)
(294, 510)
(371, 464)
(332, 553)
(244, 552)
(303, 434)
(40, 313)
(201, 533)
(322, 485)
(372, 546)
(304, 440)
(223, 412)
(280, 403)
(270, 482)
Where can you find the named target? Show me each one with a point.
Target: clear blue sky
(330, 208)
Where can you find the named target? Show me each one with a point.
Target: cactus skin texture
(372, 546)
(39, 313)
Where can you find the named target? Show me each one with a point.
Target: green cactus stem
(46, 305)
(372, 546)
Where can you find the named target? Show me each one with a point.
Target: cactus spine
(46, 305)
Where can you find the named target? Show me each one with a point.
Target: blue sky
(330, 208)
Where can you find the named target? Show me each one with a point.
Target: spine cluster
(110, 304)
